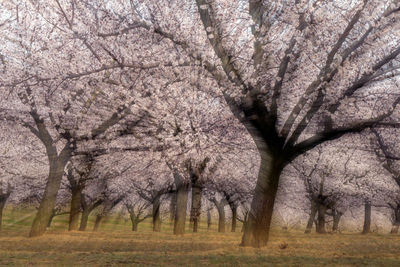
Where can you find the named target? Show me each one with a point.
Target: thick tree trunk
(312, 217)
(172, 208)
(134, 222)
(48, 201)
(2, 204)
(396, 221)
(234, 215)
(181, 207)
(97, 223)
(221, 218)
(321, 219)
(84, 219)
(75, 209)
(156, 215)
(367, 218)
(336, 219)
(258, 224)
(196, 206)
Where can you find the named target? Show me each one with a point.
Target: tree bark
(196, 206)
(312, 217)
(134, 225)
(396, 221)
(181, 207)
(84, 219)
(156, 215)
(172, 208)
(258, 224)
(336, 219)
(2, 204)
(99, 218)
(221, 218)
(208, 218)
(234, 215)
(367, 218)
(75, 209)
(48, 201)
(321, 219)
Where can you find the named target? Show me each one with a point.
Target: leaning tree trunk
(234, 216)
(320, 229)
(134, 221)
(75, 209)
(156, 215)
(196, 206)
(84, 219)
(181, 206)
(97, 223)
(258, 224)
(312, 217)
(221, 218)
(48, 201)
(396, 221)
(367, 218)
(336, 219)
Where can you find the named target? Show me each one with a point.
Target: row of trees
(205, 88)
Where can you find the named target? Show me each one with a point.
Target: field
(116, 245)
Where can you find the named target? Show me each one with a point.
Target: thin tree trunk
(321, 219)
(257, 228)
(75, 209)
(396, 221)
(181, 207)
(367, 218)
(196, 206)
(3, 200)
(234, 215)
(84, 219)
(221, 218)
(156, 215)
(48, 201)
(244, 222)
(208, 218)
(312, 217)
(99, 218)
(336, 219)
(172, 208)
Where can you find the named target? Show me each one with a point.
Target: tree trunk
(321, 219)
(221, 218)
(181, 207)
(172, 208)
(134, 222)
(3, 200)
(396, 221)
(84, 219)
(336, 219)
(196, 206)
(258, 224)
(234, 215)
(244, 221)
(75, 209)
(99, 218)
(367, 218)
(48, 201)
(312, 217)
(208, 218)
(156, 215)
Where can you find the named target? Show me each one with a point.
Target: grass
(116, 245)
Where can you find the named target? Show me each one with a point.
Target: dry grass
(116, 245)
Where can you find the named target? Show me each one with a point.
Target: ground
(116, 245)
